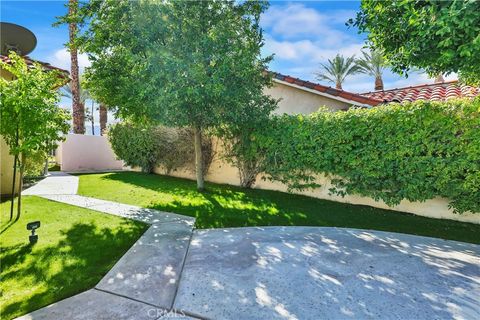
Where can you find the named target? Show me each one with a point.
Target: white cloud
(294, 20)
(61, 59)
(307, 50)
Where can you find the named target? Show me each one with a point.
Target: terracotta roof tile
(30, 62)
(434, 92)
(328, 90)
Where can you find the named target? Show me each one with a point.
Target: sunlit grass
(76, 248)
(227, 206)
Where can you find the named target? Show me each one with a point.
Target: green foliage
(177, 63)
(239, 147)
(148, 146)
(338, 69)
(438, 36)
(138, 146)
(414, 151)
(30, 119)
(35, 164)
(75, 249)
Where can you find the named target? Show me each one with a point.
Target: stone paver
(149, 216)
(150, 270)
(328, 273)
(98, 305)
(55, 183)
(172, 272)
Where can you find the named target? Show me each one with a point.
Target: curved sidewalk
(174, 271)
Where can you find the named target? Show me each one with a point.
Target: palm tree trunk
(198, 158)
(378, 83)
(338, 85)
(103, 118)
(77, 107)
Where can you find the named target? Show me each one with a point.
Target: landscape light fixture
(33, 226)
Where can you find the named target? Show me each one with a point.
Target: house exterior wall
(6, 160)
(6, 170)
(87, 153)
(297, 101)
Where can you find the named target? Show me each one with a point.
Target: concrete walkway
(176, 272)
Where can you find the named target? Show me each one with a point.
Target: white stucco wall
(87, 153)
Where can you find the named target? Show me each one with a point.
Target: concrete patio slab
(98, 305)
(55, 183)
(150, 270)
(328, 273)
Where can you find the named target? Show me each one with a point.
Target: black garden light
(33, 226)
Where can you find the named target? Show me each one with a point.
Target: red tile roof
(30, 62)
(354, 97)
(434, 92)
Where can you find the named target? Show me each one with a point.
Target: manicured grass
(76, 248)
(227, 206)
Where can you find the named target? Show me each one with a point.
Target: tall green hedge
(413, 151)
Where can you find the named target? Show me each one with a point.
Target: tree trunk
(198, 158)
(19, 201)
(12, 203)
(103, 118)
(93, 120)
(15, 161)
(338, 85)
(378, 83)
(78, 109)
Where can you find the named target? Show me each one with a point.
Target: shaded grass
(76, 248)
(228, 206)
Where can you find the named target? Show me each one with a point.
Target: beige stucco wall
(222, 172)
(87, 153)
(297, 101)
(6, 160)
(6, 170)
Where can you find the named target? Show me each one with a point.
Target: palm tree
(372, 63)
(78, 108)
(103, 118)
(84, 95)
(337, 70)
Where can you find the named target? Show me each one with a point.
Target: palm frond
(336, 70)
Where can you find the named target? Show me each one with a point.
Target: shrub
(414, 151)
(35, 164)
(147, 147)
(137, 145)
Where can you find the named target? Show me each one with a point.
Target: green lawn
(227, 206)
(76, 248)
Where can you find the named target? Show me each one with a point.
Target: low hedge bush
(415, 151)
(147, 147)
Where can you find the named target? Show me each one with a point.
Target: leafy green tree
(30, 121)
(177, 63)
(437, 36)
(373, 64)
(337, 70)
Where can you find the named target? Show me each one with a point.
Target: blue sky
(301, 34)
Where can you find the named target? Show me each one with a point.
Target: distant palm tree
(372, 63)
(78, 109)
(84, 95)
(337, 69)
(103, 118)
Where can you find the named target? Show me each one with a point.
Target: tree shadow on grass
(223, 206)
(71, 266)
